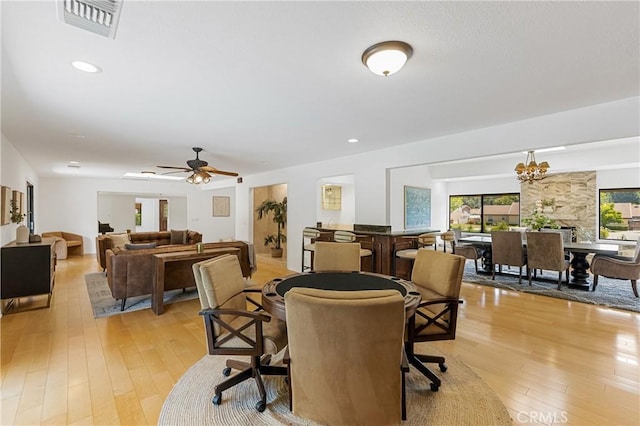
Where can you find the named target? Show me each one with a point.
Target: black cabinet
(27, 270)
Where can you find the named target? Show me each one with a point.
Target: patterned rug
(610, 293)
(104, 304)
(463, 399)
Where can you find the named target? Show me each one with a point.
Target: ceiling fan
(200, 170)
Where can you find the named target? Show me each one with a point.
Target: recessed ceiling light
(353, 140)
(86, 66)
(557, 148)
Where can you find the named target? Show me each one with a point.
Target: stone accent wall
(575, 200)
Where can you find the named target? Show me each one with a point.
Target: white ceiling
(265, 85)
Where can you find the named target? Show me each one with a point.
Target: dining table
(274, 291)
(578, 251)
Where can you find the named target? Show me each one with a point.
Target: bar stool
(312, 235)
(422, 242)
(448, 236)
(350, 237)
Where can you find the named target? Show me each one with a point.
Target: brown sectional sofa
(130, 273)
(163, 238)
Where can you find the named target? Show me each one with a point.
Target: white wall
(150, 217)
(215, 228)
(71, 204)
(14, 173)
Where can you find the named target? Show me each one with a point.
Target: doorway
(31, 224)
(266, 227)
(164, 214)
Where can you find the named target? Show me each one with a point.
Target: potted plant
(22, 232)
(279, 210)
(538, 220)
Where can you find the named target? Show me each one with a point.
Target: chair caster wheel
(226, 372)
(443, 367)
(217, 399)
(260, 406)
(434, 387)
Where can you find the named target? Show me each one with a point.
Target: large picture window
(619, 213)
(484, 212)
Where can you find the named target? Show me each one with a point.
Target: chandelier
(199, 176)
(530, 170)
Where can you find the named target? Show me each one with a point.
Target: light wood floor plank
(544, 357)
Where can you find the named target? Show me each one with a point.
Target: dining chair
(366, 244)
(331, 256)
(617, 268)
(231, 329)
(507, 249)
(545, 251)
(406, 248)
(438, 278)
(467, 251)
(346, 367)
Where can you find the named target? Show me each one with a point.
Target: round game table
(273, 292)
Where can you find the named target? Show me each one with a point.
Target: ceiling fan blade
(178, 168)
(175, 171)
(217, 172)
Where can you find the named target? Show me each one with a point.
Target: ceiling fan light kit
(200, 170)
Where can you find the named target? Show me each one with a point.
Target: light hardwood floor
(549, 360)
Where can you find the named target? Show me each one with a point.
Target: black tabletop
(341, 281)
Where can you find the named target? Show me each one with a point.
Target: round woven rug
(463, 399)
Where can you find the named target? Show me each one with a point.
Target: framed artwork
(5, 199)
(221, 206)
(417, 207)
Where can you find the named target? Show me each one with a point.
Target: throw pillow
(140, 246)
(178, 237)
(119, 240)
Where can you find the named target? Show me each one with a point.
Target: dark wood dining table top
(583, 247)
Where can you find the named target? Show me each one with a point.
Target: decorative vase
(22, 234)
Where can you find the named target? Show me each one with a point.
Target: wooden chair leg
(595, 283)
(634, 287)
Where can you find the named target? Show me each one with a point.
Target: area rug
(463, 399)
(609, 293)
(104, 304)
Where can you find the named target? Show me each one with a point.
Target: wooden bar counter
(381, 240)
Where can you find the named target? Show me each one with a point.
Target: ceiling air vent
(98, 16)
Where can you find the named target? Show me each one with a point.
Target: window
(484, 212)
(619, 213)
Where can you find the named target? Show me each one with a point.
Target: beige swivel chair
(346, 367)
(406, 248)
(617, 268)
(545, 251)
(467, 251)
(438, 277)
(507, 249)
(330, 256)
(366, 244)
(232, 330)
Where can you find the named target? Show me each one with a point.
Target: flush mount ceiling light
(86, 66)
(387, 57)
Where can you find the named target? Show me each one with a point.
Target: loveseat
(161, 238)
(66, 243)
(131, 272)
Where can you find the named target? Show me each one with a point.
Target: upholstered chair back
(437, 272)
(345, 350)
(331, 256)
(427, 240)
(507, 249)
(220, 285)
(344, 237)
(545, 250)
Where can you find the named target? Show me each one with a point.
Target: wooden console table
(188, 258)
